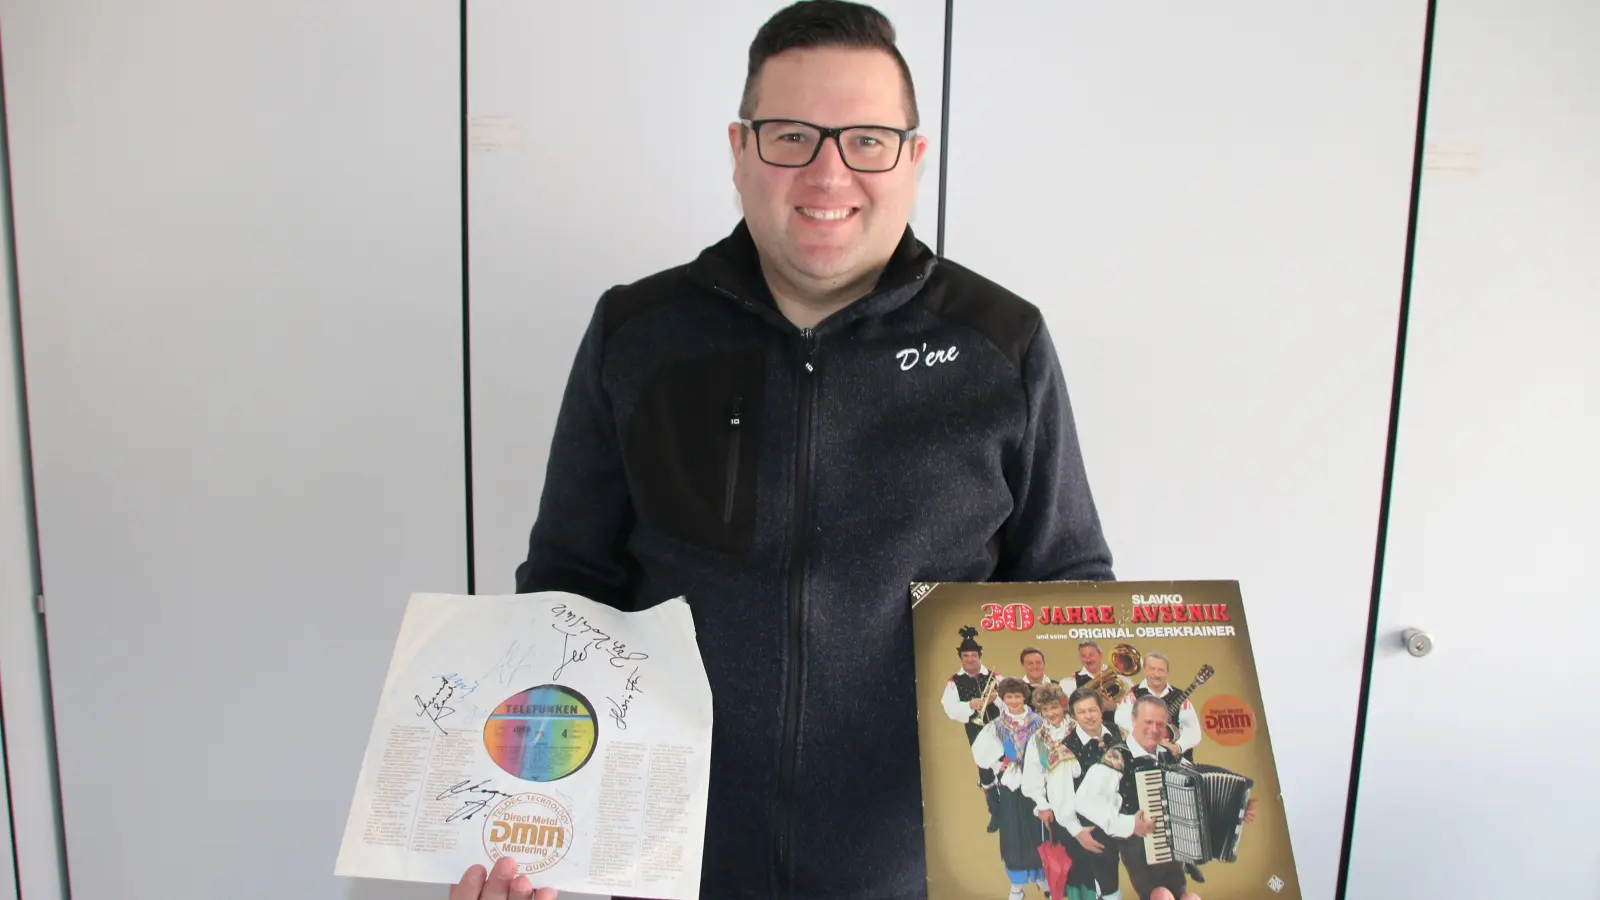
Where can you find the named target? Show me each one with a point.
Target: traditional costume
(1002, 745)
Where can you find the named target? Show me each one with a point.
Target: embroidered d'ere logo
(911, 357)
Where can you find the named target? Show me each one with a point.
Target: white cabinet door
(239, 264)
(1475, 774)
(1210, 208)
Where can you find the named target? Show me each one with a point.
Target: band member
(1183, 719)
(1001, 746)
(1093, 663)
(1033, 671)
(1050, 773)
(1088, 740)
(970, 696)
(1108, 797)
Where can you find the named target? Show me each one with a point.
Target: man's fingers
(521, 888)
(545, 894)
(470, 885)
(498, 885)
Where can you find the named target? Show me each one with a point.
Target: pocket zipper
(733, 464)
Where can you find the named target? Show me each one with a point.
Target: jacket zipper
(733, 463)
(797, 561)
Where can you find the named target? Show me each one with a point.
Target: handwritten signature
(511, 663)
(460, 684)
(619, 711)
(435, 708)
(471, 807)
(572, 625)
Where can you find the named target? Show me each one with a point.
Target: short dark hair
(1012, 686)
(1081, 694)
(1029, 652)
(825, 23)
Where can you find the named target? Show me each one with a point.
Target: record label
(541, 734)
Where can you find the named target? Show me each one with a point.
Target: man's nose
(829, 164)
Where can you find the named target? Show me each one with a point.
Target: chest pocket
(692, 447)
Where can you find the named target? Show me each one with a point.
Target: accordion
(1198, 812)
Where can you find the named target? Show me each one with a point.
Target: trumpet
(1125, 661)
(988, 690)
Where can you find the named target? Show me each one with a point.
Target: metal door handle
(1417, 641)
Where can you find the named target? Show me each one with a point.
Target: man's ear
(919, 148)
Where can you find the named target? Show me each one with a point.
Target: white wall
(30, 833)
(239, 253)
(1210, 206)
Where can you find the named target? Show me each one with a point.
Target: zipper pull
(810, 337)
(734, 420)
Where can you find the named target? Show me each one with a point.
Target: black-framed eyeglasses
(793, 144)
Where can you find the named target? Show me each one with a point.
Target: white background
(240, 274)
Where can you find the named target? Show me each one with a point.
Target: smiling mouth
(827, 215)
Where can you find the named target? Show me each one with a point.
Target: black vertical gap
(1388, 456)
(944, 124)
(466, 312)
(31, 513)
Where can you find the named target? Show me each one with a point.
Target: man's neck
(806, 302)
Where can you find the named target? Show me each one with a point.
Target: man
(971, 696)
(1088, 741)
(788, 431)
(1182, 720)
(1108, 797)
(1181, 716)
(1033, 675)
(1093, 664)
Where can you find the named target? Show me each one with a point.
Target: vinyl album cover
(1095, 739)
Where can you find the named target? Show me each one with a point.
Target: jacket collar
(732, 268)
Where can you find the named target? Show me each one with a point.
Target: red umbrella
(1055, 862)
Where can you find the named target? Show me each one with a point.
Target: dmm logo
(527, 834)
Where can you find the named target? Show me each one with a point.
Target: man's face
(1150, 726)
(1090, 657)
(1033, 665)
(1087, 714)
(1155, 672)
(971, 661)
(866, 213)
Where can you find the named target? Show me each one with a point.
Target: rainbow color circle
(541, 734)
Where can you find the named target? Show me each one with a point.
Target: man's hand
(1088, 841)
(1172, 748)
(976, 703)
(1250, 811)
(498, 884)
(1046, 815)
(1141, 827)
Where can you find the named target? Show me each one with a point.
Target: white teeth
(826, 214)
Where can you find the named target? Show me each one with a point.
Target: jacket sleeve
(1054, 531)
(578, 540)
